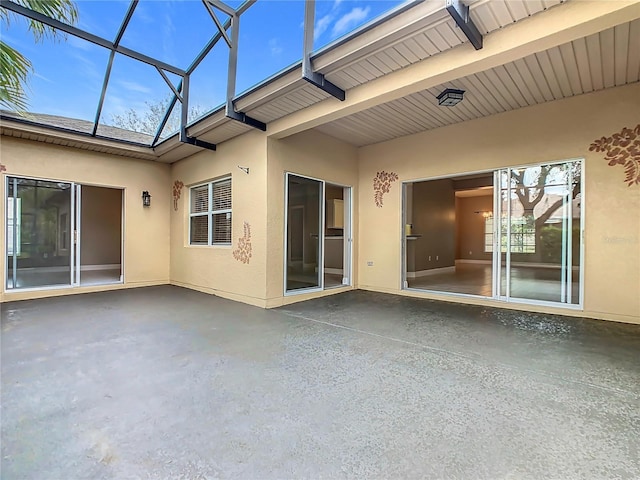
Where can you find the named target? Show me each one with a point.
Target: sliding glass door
(539, 233)
(304, 225)
(318, 235)
(39, 233)
(43, 240)
(513, 234)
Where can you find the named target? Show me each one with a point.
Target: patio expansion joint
(474, 358)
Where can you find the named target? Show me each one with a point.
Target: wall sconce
(146, 199)
(450, 97)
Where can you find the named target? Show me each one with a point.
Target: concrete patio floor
(164, 382)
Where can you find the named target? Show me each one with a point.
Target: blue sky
(68, 74)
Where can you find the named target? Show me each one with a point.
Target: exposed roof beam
(554, 27)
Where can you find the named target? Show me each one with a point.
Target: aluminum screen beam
(107, 74)
(460, 14)
(230, 110)
(308, 74)
(89, 37)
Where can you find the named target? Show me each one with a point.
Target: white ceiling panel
(606, 59)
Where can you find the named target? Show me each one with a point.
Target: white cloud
(321, 26)
(275, 47)
(347, 21)
(134, 86)
(79, 43)
(41, 77)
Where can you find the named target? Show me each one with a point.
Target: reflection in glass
(38, 233)
(541, 213)
(303, 228)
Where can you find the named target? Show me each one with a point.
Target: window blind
(221, 228)
(200, 230)
(222, 195)
(200, 199)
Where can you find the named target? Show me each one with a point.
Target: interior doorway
(62, 234)
(513, 234)
(318, 234)
(100, 236)
(445, 241)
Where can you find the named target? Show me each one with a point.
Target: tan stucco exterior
(146, 230)
(553, 131)
(311, 154)
(157, 251)
(214, 269)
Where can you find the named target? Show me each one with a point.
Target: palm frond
(14, 67)
(14, 72)
(65, 11)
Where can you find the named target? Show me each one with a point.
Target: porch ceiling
(606, 59)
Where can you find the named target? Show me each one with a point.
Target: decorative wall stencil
(622, 148)
(243, 252)
(177, 190)
(382, 184)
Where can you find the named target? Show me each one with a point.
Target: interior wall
(470, 227)
(101, 226)
(433, 217)
(312, 154)
(146, 241)
(334, 237)
(554, 131)
(215, 269)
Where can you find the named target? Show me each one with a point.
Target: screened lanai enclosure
(140, 72)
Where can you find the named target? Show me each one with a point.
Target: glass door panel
(336, 236)
(39, 233)
(539, 233)
(304, 231)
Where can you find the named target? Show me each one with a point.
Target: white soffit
(418, 33)
(603, 60)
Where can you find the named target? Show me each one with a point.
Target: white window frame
(210, 213)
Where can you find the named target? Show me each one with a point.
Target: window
(488, 233)
(523, 235)
(210, 213)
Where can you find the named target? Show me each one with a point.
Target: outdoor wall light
(146, 199)
(450, 97)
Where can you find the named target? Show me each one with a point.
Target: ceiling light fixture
(450, 97)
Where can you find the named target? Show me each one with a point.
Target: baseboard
(467, 261)
(431, 271)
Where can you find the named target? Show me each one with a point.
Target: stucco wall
(310, 154)
(550, 132)
(146, 230)
(213, 269)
